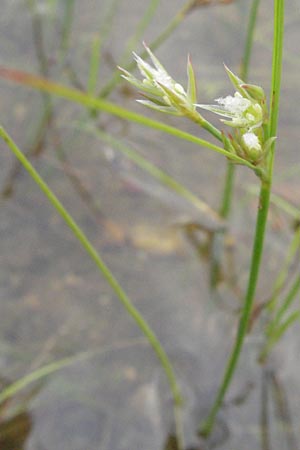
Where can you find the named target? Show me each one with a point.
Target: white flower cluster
(244, 111)
(160, 90)
(251, 141)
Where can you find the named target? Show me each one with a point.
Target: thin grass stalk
(283, 273)
(130, 46)
(203, 123)
(52, 4)
(41, 56)
(244, 72)
(264, 411)
(228, 189)
(278, 325)
(38, 37)
(276, 335)
(48, 113)
(40, 126)
(258, 243)
(107, 274)
(97, 45)
(96, 49)
(286, 206)
(107, 20)
(94, 66)
(140, 29)
(208, 424)
(162, 37)
(276, 67)
(48, 369)
(66, 29)
(280, 202)
(160, 175)
(287, 302)
(283, 413)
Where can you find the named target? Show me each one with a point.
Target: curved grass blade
(86, 100)
(107, 274)
(48, 369)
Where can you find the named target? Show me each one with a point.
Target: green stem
(244, 71)
(264, 411)
(264, 199)
(217, 242)
(140, 30)
(226, 201)
(276, 65)
(97, 46)
(68, 16)
(131, 44)
(89, 248)
(210, 128)
(258, 244)
(228, 189)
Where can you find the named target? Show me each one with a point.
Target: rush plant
(249, 141)
(252, 142)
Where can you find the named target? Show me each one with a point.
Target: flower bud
(256, 92)
(252, 146)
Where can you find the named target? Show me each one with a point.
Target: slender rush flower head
(162, 93)
(245, 111)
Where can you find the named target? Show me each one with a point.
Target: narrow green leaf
(280, 330)
(83, 99)
(107, 274)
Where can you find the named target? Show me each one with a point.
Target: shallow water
(54, 303)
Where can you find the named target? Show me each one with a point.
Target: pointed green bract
(245, 111)
(162, 92)
(192, 87)
(155, 60)
(164, 109)
(237, 82)
(217, 109)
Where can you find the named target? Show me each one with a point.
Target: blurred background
(53, 302)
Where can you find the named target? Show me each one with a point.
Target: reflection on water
(53, 300)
